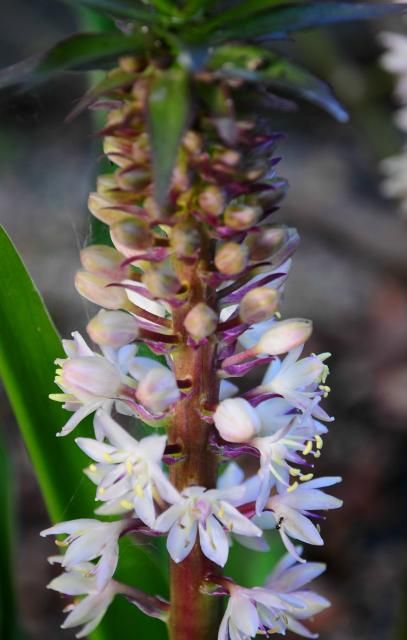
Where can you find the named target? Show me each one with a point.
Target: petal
(107, 565)
(244, 615)
(299, 629)
(71, 584)
(70, 526)
(98, 451)
(235, 522)
(223, 633)
(312, 500)
(214, 542)
(78, 416)
(296, 577)
(232, 475)
(113, 431)
(166, 519)
(317, 483)
(164, 487)
(299, 527)
(181, 540)
(144, 506)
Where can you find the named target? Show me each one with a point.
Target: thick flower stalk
(199, 281)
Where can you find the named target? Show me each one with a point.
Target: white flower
(236, 420)
(129, 474)
(89, 539)
(90, 610)
(90, 381)
(298, 381)
(291, 511)
(253, 611)
(289, 579)
(207, 513)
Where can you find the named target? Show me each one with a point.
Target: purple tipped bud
(258, 305)
(211, 200)
(118, 150)
(95, 288)
(103, 260)
(113, 328)
(236, 420)
(231, 258)
(133, 179)
(93, 375)
(241, 216)
(185, 239)
(130, 236)
(284, 336)
(201, 321)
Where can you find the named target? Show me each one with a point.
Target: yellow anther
(307, 477)
(101, 491)
(292, 487)
(125, 504)
(129, 467)
(319, 442)
(61, 543)
(92, 468)
(308, 448)
(317, 454)
(138, 490)
(107, 457)
(278, 315)
(294, 472)
(221, 512)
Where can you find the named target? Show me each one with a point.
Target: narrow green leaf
(241, 11)
(168, 111)
(126, 9)
(284, 19)
(29, 344)
(80, 52)
(104, 87)
(260, 66)
(9, 627)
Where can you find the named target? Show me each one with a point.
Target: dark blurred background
(349, 276)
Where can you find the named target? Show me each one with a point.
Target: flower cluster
(394, 168)
(199, 283)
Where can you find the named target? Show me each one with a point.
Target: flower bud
(104, 209)
(161, 284)
(258, 305)
(118, 150)
(185, 239)
(158, 390)
(201, 321)
(103, 260)
(241, 216)
(133, 179)
(130, 236)
(284, 336)
(236, 420)
(94, 288)
(267, 242)
(231, 258)
(113, 328)
(192, 142)
(90, 375)
(211, 200)
(152, 208)
(105, 183)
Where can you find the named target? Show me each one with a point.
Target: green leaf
(80, 52)
(28, 346)
(126, 9)
(9, 627)
(260, 66)
(104, 87)
(284, 19)
(168, 112)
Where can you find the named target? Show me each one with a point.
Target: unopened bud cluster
(201, 276)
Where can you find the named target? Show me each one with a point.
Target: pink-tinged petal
(214, 542)
(235, 522)
(98, 451)
(77, 417)
(223, 633)
(244, 615)
(166, 519)
(255, 544)
(296, 577)
(81, 347)
(117, 436)
(107, 565)
(70, 526)
(299, 629)
(181, 540)
(71, 584)
(299, 527)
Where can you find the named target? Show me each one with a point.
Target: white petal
(78, 416)
(72, 584)
(164, 487)
(296, 577)
(214, 542)
(181, 540)
(113, 431)
(144, 506)
(223, 629)
(227, 389)
(244, 615)
(299, 629)
(232, 476)
(107, 565)
(236, 522)
(166, 519)
(98, 451)
(70, 526)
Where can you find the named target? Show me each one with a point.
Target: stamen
(293, 487)
(308, 448)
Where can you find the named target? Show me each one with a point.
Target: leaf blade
(168, 111)
(29, 344)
